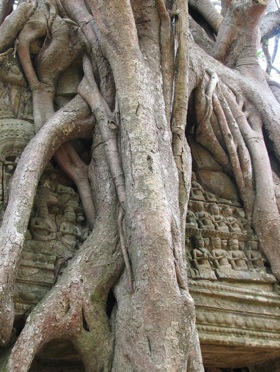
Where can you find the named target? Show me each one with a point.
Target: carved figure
(204, 219)
(196, 189)
(233, 223)
(8, 168)
(48, 181)
(191, 220)
(238, 259)
(42, 227)
(66, 194)
(14, 99)
(69, 232)
(255, 257)
(206, 242)
(224, 244)
(220, 256)
(244, 223)
(201, 255)
(219, 221)
(210, 197)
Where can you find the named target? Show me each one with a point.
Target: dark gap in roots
(111, 301)
(191, 121)
(85, 324)
(20, 323)
(58, 355)
(203, 23)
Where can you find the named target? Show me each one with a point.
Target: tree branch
(200, 37)
(270, 25)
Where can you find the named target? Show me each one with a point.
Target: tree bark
(142, 72)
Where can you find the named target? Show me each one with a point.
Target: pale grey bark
(138, 87)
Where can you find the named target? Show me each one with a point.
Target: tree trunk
(139, 73)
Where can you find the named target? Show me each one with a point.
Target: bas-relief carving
(16, 127)
(236, 315)
(221, 257)
(57, 225)
(15, 97)
(220, 241)
(14, 136)
(236, 297)
(201, 259)
(56, 230)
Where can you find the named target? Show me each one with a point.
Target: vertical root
(238, 123)
(205, 133)
(180, 147)
(178, 259)
(74, 167)
(167, 58)
(89, 91)
(121, 226)
(231, 146)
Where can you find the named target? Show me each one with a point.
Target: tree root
(49, 65)
(167, 57)
(90, 92)
(180, 147)
(209, 12)
(75, 168)
(205, 133)
(231, 146)
(123, 240)
(75, 308)
(242, 132)
(66, 124)
(13, 24)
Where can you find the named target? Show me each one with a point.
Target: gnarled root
(75, 168)
(76, 306)
(49, 64)
(66, 124)
(13, 24)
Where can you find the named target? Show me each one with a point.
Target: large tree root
(49, 64)
(266, 218)
(180, 147)
(108, 127)
(75, 308)
(265, 215)
(66, 124)
(13, 24)
(77, 170)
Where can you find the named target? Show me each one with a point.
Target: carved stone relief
(14, 136)
(57, 228)
(57, 225)
(15, 97)
(220, 242)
